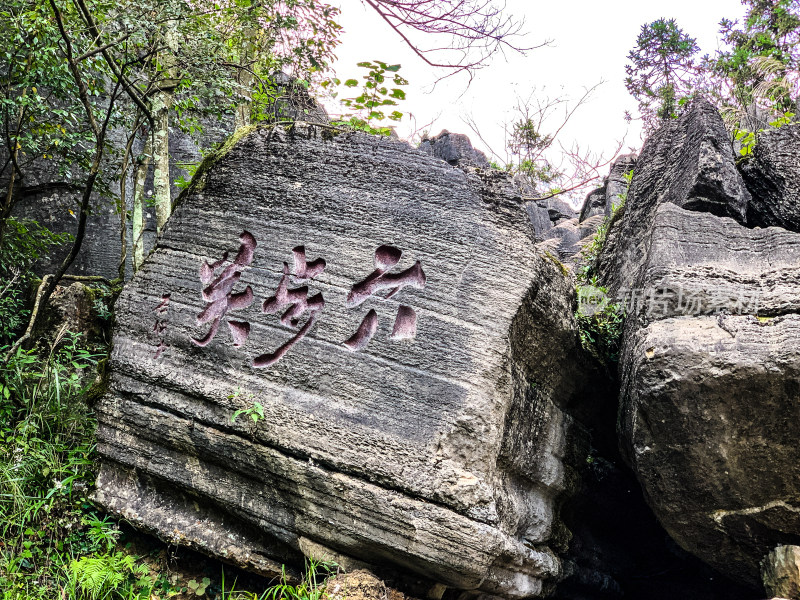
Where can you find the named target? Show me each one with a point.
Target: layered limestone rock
(571, 232)
(688, 162)
(455, 149)
(710, 361)
(546, 214)
(772, 174)
(567, 240)
(346, 344)
(607, 197)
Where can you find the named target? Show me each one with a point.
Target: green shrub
(24, 243)
(113, 575)
(601, 327)
(46, 468)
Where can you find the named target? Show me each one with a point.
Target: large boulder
(772, 175)
(400, 350)
(71, 308)
(711, 377)
(455, 149)
(710, 360)
(688, 162)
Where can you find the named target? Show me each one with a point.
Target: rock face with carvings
(710, 363)
(345, 344)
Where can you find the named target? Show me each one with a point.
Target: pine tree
(662, 70)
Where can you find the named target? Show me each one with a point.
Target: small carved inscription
(160, 327)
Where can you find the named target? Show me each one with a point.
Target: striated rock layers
(609, 196)
(710, 364)
(398, 347)
(772, 175)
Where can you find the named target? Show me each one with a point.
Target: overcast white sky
(591, 40)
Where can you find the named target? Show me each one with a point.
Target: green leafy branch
(381, 90)
(747, 139)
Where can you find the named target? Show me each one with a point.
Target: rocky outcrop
(344, 347)
(687, 162)
(553, 218)
(545, 213)
(71, 308)
(710, 360)
(455, 149)
(607, 197)
(404, 352)
(570, 231)
(772, 175)
(558, 210)
(568, 238)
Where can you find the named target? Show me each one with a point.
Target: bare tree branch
(535, 154)
(474, 29)
(102, 48)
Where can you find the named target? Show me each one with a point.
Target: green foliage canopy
(661, 70)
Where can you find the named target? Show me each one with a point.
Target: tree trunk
(162, 101)
(138, 206)
(13, 150)
(244, 77)
(242, 115)
(123, 203)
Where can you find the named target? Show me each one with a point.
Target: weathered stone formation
(570, 232)
(607, 197)
(780, 571)
(772, 175)
(688, 163)
(562, 233)
(400, 350)
(551, 218)
(567, 239)
(71, 308)
(557, 210)
(710, 363)
(455, 149)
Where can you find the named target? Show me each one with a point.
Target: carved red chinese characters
(218, 293)
(160, 328)
(405, 324)
(295, 301)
